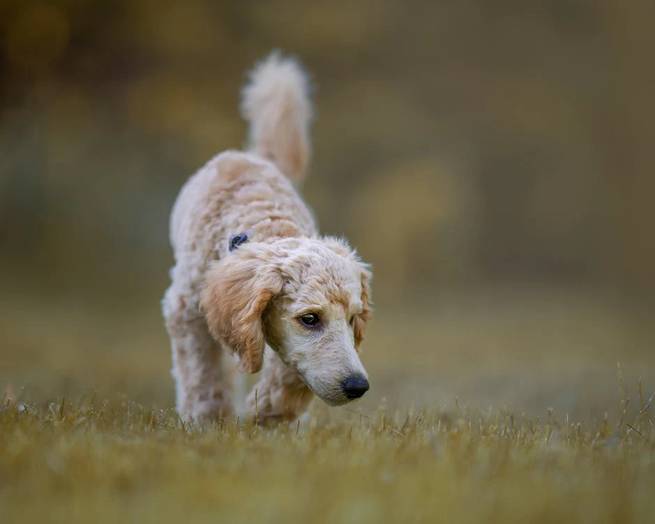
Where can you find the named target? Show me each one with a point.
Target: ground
(94, 461)
(521, 406)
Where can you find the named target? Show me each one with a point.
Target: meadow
(493, 161)
(95, 461)
(504, 406)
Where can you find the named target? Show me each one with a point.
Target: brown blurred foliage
(456, 142)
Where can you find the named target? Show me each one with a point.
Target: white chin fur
(333, 400)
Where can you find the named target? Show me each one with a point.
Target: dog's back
(252, 191)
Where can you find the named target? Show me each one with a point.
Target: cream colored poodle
(253, 276)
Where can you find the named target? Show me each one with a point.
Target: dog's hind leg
(203, 389)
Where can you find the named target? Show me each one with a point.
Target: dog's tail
(276, 104)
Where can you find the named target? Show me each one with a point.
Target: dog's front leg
(279, 394)
(202, 388)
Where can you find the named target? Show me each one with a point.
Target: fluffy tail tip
(276, 104)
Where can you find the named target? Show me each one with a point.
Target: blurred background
(493, 160)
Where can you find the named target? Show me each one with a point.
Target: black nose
(354, 386)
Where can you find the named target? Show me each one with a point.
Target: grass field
(487, 408)
(93, 461)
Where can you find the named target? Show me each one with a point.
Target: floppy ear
(359, 324)
(237, 290)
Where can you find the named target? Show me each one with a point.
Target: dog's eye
(309, 319)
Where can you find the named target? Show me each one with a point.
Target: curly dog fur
(288, 302)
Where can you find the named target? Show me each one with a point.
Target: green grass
(94, 461)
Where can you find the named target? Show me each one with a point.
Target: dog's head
(307, 298)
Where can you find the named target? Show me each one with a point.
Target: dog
(252, 275)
